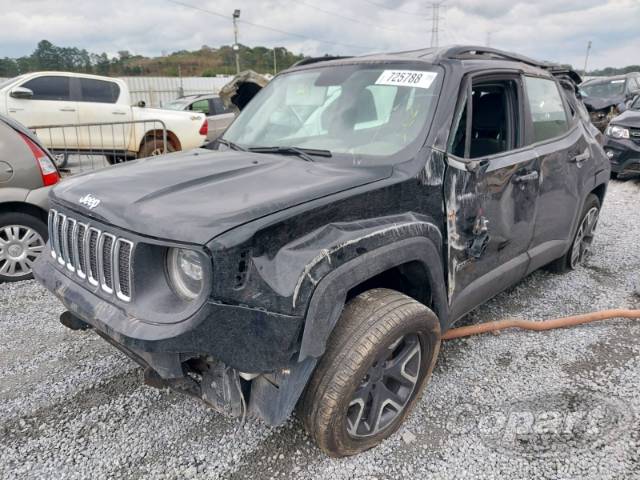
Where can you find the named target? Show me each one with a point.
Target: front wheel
(377, 361)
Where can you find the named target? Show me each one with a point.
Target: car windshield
(612, 88)
(176, 105)
(375, 112)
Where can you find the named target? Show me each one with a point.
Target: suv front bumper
(246, 339)
(624, 154)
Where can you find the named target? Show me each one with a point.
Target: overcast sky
(555, 30)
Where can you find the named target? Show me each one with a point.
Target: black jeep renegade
(314, 254)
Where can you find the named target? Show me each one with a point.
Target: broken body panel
(290, 241)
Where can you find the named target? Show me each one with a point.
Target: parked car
(622, 141)
(27, 172)
(219, 117)
(58, 98)
(607, 97)
(354, 210)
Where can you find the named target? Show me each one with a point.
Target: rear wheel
(153, 146)
(61, 159)
(22, 240)
(582, 239)
(377, 361)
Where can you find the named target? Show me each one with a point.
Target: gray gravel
(559, 404)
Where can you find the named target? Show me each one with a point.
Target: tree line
(206, 61)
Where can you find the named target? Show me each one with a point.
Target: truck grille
(98, 257)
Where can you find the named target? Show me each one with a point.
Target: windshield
(373, 111)
(608, 89)
(10, 81)
(179, 104)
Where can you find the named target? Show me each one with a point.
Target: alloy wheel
(19, 247)
(386, 389)
(584, 237)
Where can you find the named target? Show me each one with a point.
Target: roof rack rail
(310, 60)
(470, 52)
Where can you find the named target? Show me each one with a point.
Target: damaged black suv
(314, 255)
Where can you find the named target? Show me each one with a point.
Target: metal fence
(89, 146)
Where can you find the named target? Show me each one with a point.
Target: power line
(266, 27)
(404, 12)
(351, 19)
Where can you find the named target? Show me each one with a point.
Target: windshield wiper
(230, 144)
(304, 153)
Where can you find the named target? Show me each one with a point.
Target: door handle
(586, 155)
(119, 113)
(527, 177)
(67, 109)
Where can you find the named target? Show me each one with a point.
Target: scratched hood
(197, 195)
(630, 118)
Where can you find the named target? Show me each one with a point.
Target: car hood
(630, 118)
(599, 103)
(195, 196)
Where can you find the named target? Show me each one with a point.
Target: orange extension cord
(563, 322)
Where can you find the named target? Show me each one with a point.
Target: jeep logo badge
(89, 201)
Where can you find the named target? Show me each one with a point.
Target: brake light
(48, 170)
(204, 129)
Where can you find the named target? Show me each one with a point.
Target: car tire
(615, 175)
(582, 239)
(61, 159)
(115, 159)
(378, 359)
(22, 238)
(152, 147)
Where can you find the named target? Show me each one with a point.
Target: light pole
(586, 57)
(236, 47)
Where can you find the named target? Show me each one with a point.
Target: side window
(495, 120)
(200, 106)
(49, 88)
(548, 115)
(218, 106)
(99, 91)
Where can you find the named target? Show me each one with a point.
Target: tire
(154, 146)
(61, 159)
(115, 159)
(16, 256)
(581, 240)
(376, 325)
(615, 175)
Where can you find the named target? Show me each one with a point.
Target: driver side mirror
(21, 92)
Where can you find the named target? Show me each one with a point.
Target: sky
(555, 30)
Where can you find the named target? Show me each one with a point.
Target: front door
(50, 104)
(491, 189)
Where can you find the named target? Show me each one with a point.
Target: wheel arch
(172, 138)
(23, 207)
(412, 266)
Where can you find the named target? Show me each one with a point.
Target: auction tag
(407, 78)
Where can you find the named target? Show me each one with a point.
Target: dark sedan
(622, 141)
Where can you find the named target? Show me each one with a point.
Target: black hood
(197, 195)
(630, 118)
(599, 103)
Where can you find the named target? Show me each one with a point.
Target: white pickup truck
(97, 116)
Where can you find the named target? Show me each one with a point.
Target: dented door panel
(490, 219)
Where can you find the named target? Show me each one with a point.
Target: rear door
(51, 104)
(565, 164)
(106, 122)
(490, 191)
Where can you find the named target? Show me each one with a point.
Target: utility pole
(488, 39)
(236, 47)
(275, 62)
(435, 7)
(586, 57)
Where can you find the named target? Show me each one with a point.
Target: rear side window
(49, 88)
(218, 106)
(99, 91)
(200, 106)
(548, 115)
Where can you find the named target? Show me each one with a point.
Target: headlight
(186, 271)
(615, 131)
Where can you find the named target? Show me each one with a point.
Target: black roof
(457, 52)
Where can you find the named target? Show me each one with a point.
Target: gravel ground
(558, 404)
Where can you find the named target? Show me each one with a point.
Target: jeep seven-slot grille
(93, 255)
